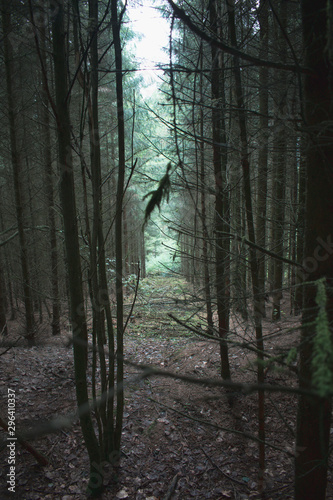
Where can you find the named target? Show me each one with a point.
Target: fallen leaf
(122, 494)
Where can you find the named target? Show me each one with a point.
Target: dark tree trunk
(101, 303)
(263, 152)
(67, 198)
(17, 168)
(314, 413)
(3, 320)
(300, 227)
(203, 188)
(280, 165)
(96, 248)
(222, 209)
(251, 232)
(116, 23)
(46, 131)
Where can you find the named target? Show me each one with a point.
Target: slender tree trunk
(143, 255)
(67, 198)
(222, 251)
(127, 253)
(280, 165)
(32, 241)
(116, 23)
(3, 320)
(7, 281)
(45, 115)
(203, 187)
(263, 152)
(17, 168)
(205, 236)
(314, 413)
(250, 227)
(300, 226)
(96, 251)
(293, 232)
(102, 308)
(278, 218)
(238, 249)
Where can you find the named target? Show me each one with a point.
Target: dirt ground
(180, 440)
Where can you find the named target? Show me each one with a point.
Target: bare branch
(181, 14)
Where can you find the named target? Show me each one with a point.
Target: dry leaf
(122, 494)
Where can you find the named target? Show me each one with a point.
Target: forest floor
(177, 436)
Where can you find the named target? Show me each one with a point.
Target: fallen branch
(221, 471)
(38, 456)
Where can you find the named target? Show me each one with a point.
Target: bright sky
(153, 31)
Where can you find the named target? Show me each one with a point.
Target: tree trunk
(101, 302)
(116, 23)
(203, 187)
(280, 165)
(300, 227)
(45, 116)
(98, 295)
(143, 255)
(3, 320)
(250, 227)
(222, 209)
(17, 168)
(68, 204)
(314, 413)
(263, 152)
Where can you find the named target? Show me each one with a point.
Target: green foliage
(157, 264)
(322, 361)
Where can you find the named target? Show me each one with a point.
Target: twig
(134, 299)
(172, 487)
(6, 350)
(220, 470)
(206, 423)
(40, 458)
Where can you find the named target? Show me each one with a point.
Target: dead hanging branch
(158, 195)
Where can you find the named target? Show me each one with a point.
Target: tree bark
(314, 413)
(203, 187)
(222, 209)
(280, 165)
(96, 249)
(3, 320)
(116, 23)
(251, 232)
(300, 226)
(17, 168)
(68, 204)
(45, 115)
(263, 152)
